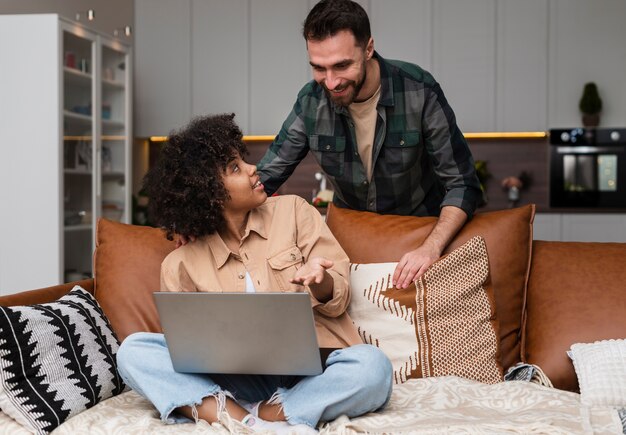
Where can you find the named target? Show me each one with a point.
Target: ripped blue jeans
(357, 380)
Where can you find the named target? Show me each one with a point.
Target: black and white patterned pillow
(56, 360)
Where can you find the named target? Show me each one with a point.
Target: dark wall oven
(588, 167)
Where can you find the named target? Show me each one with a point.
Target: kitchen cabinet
(66, 136)
(504, 65)
(163, 65)
(236, 57)
(464, 60)
(279, 64)
(490, 58)
(412, 24)
(521, 66)
(580, 227)
(220, 73)
(586, 43)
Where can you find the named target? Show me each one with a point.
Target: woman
(243, 241)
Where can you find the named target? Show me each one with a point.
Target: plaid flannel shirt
(421, 161)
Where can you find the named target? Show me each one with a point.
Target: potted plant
(590, 105)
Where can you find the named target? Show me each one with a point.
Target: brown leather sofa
(549, 295)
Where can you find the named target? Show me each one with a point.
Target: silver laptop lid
(245, 333)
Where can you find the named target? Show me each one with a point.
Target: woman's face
(243, 185)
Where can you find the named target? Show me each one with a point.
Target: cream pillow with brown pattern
(443, 324)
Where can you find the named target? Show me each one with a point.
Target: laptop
(243, 333)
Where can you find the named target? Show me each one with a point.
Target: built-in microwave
(588, 167)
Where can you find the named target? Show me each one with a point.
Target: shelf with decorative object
(78, 227)
(77, 117)
(113, 84)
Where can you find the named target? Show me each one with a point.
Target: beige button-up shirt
(280, 236)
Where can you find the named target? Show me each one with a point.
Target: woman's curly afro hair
(185, 188)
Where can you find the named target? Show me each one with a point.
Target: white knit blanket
(424, 406)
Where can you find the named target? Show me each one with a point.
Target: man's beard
(349, 98)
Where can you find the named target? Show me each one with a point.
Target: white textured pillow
(601, 371)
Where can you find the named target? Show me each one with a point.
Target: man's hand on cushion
(413, 264)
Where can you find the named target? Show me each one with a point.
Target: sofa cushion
(443, 324)
(372, 238)
(576, 294)
(127, 265)
(56, 360)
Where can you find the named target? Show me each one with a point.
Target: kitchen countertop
(542, 208)
(585, 210)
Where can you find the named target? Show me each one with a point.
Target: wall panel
(522, 65)
(279, 65)
(504, 65)
(220, 65)
(464, 59)
(162, 66)
(587, 43)
(402, 30)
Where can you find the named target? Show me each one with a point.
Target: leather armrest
(43, 295)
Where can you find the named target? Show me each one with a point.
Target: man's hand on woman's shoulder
(183, 240)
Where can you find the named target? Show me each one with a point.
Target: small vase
(591, 120)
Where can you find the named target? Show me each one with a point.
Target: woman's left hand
(312, 272)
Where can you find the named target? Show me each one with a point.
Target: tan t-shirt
(280, 236)
(364, 115)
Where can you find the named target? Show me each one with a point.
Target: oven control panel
(582, 136)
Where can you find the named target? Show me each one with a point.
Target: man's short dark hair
(185, 187)
(331, 16)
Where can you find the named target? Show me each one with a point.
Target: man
(381, 130)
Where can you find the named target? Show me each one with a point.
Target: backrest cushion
(372, 238)
(443, 324)
(127, 265)
(576, 294)
(43, 295)
(56, 360)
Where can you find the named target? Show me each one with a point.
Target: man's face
(339, 66)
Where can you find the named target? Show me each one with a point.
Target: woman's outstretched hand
(313, 274)
(314, 271)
